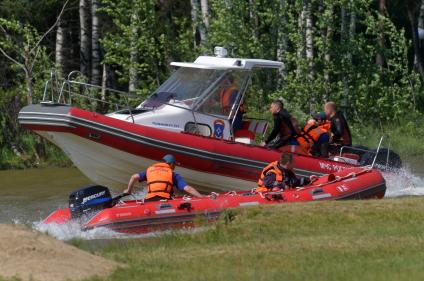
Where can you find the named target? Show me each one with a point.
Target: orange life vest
(271, 168)
(225, 98)
(159, 181)
(310, 135)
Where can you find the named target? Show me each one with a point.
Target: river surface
(28, 196)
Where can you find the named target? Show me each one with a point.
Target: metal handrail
(66, 88)
(370, 151)
(66, 95)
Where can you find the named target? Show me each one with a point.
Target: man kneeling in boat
(161, 179)
(280, 175)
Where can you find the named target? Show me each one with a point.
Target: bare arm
(134, 178)
(190, 190)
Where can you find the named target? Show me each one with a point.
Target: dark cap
(170, 159)
(319, 116)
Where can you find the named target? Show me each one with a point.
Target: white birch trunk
(382, 10)
(84, 37)
(328, 45)
(95, 43)
(309, 39)
(104, 82)
(59, 56)
(344, 37)
(204, 5)
(254, 19)
(198, 28)
(301, 45)
(133, 77)
(282, 40)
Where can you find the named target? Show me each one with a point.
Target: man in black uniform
(340, 133)
(284, 131)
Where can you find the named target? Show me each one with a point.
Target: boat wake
(403, 183)
(72, 230)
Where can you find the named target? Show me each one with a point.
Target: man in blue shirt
(161, 179)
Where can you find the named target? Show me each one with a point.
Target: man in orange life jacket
(161, 179)
(284, 131)
(315, 136)
(340, 133)
(227, 98)
(280, 175)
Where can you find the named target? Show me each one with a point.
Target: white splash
(72, 230)
(403, 182)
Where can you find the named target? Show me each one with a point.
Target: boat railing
(74, 86)
(372, 152)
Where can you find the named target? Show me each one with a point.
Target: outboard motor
(386, 159)
(89, 199)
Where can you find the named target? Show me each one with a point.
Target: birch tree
(199, 30)
(95, 44)
(59, 47)
(85, 41)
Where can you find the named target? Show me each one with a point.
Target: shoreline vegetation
(365, 55)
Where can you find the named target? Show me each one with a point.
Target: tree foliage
(359, 53)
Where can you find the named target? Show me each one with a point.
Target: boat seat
(249, 129)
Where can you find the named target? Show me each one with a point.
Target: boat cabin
(203, 97)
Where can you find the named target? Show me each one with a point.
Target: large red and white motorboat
(184, 116)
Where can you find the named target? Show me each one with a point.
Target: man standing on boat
(228, 98)
(284, 131)
(161, 179)
(279, 174)
(340, 133)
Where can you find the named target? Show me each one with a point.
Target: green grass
(355, 240)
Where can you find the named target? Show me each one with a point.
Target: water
(28, 196)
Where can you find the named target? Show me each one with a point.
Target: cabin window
(198, 129)
(185, 85)
(227, 94)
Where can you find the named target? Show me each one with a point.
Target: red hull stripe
(49, 120)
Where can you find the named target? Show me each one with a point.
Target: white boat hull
(111, 167)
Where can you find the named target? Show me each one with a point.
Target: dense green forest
(366, 55)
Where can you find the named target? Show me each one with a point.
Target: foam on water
(403, 182)
(71, 230)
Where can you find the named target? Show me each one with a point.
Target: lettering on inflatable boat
(120, 215)
(321, 196)
(245, 204)
(170, 211)
(165, 125)
(330, 167)
(342, 188)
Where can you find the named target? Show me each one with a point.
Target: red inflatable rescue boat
(93, 207)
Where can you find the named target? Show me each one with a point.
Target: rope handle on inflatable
(187, 197)
(231, 193)
(213, 195)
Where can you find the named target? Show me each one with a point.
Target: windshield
(185, 85)
(227, 94)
